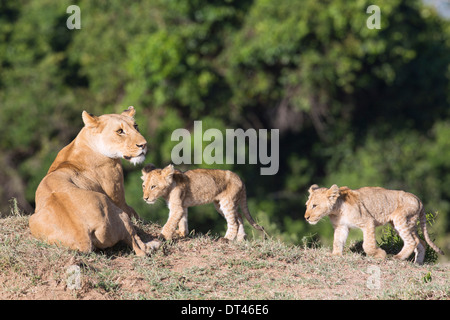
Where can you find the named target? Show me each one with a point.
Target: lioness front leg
(175, 215)
(130, 236)
(114, 225)
(131, 212)
(370, 243)
(340, 236)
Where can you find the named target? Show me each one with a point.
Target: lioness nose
(142, 146)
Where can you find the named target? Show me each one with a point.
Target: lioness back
(181, 190)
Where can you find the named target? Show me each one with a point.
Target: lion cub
(367, 208)
(194, 187)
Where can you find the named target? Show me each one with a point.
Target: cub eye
(314, 205)
(152, 187)
(120, 131)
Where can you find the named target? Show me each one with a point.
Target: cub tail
(423, 226)
(248, 216)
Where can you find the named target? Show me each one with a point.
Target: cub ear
(333, 193)
(130, 112)
(313, 188)
(168, 173)
(89, 120)
(147, 169)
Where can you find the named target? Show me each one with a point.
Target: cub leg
(175, 215)
(241, 232)
(183, 230)
(340, 236)
(406, 229)
(370, 243)
(409, 245)
(411, 242)
(229, 210)
(420, 252)
(217, 206)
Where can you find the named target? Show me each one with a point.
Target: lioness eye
(120, 131)
(314, 205)
(136, 127)
(152, 187)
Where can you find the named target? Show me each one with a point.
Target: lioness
(367, 208)
(80, 203)
(194, 187)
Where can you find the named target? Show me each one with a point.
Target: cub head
(157, 182)
(116, 135)
(320, 202)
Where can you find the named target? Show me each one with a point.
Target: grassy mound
(202, 267)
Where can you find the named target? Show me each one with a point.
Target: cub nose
(142, 146)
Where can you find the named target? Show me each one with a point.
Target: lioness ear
(313, 188)
(168, 173)
(130, 112)
(89, 120)
(333, 193)
(147, 169)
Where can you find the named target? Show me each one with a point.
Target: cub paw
(181, 234)
(381, 254)
(153, 245)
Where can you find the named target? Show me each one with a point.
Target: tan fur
(367, 208)
(195, 187)
(80, 203)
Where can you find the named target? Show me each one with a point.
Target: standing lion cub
(195, 187)
(367, 208)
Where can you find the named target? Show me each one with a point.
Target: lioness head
(320, 202)
(157, 182)
(116, 135)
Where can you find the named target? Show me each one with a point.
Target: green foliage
(354, 106)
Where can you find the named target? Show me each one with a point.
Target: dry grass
(201, 267)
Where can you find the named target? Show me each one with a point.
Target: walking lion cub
(367, 208)
(195, 187)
